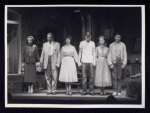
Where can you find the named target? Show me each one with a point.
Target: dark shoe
(67, 93)
(83, 93)
(49, 93)
(104, 93)
(54, 93)
(92, 94)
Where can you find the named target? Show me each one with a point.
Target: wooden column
(19, 40)
(83, 26)
(89, 23)
(93, 29)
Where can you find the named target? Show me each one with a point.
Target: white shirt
(50, 48)
(87, 51)
(118, 47)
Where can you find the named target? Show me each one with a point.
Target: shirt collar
(51, 42)
(88, 42)
(117, 43)
(30, 45)
(68, 45)
(102, 46)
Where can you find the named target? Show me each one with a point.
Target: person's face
(88, 33)
(30, 41)
(117, 38)
(49, 38)
(68, 41)
(88, 38)
(101, 41)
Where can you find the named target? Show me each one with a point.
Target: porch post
(83, 26)
(19, 40)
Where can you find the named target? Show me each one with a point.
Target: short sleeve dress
(68, 70)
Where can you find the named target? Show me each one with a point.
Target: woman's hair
(28, 39)
(103, 39)
(67, 37)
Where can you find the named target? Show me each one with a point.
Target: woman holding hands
(103, 75)
(68, 70)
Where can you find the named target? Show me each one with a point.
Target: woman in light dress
(103, 75)
(68, 70)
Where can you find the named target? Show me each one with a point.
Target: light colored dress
(103, 75)
(68, 70)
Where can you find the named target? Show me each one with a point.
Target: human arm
(109, 57)
(42, 55)
(23, 55)
(37, 54)
(124, 56)
(136, 76)
(23, 59)
(75, 55)
(58, 57)
(80, 53)
(96, 55)
(93, 51)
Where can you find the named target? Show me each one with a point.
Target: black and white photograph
(75, 56)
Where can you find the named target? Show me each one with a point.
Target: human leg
(48, 77)
(114, 79)
(91, 89)
(70, 89)
(67, 88)
(119, 76)
(31, 87)
(54, 81)
(84, 78)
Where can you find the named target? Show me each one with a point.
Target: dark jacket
(27, 58)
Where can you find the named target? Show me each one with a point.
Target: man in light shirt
(50, 60)
(117, 60)
(87, 59)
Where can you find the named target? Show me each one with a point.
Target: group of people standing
(102, 58)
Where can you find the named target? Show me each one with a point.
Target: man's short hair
(49, 33)
(117, 33)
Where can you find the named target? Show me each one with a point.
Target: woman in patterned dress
(68, 70)
(103, 75)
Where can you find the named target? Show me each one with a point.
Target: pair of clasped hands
(38, 64)
(80, 64)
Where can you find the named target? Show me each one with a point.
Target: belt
(68, 56)
(118, 58)
(101, 57)
(49, 57)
